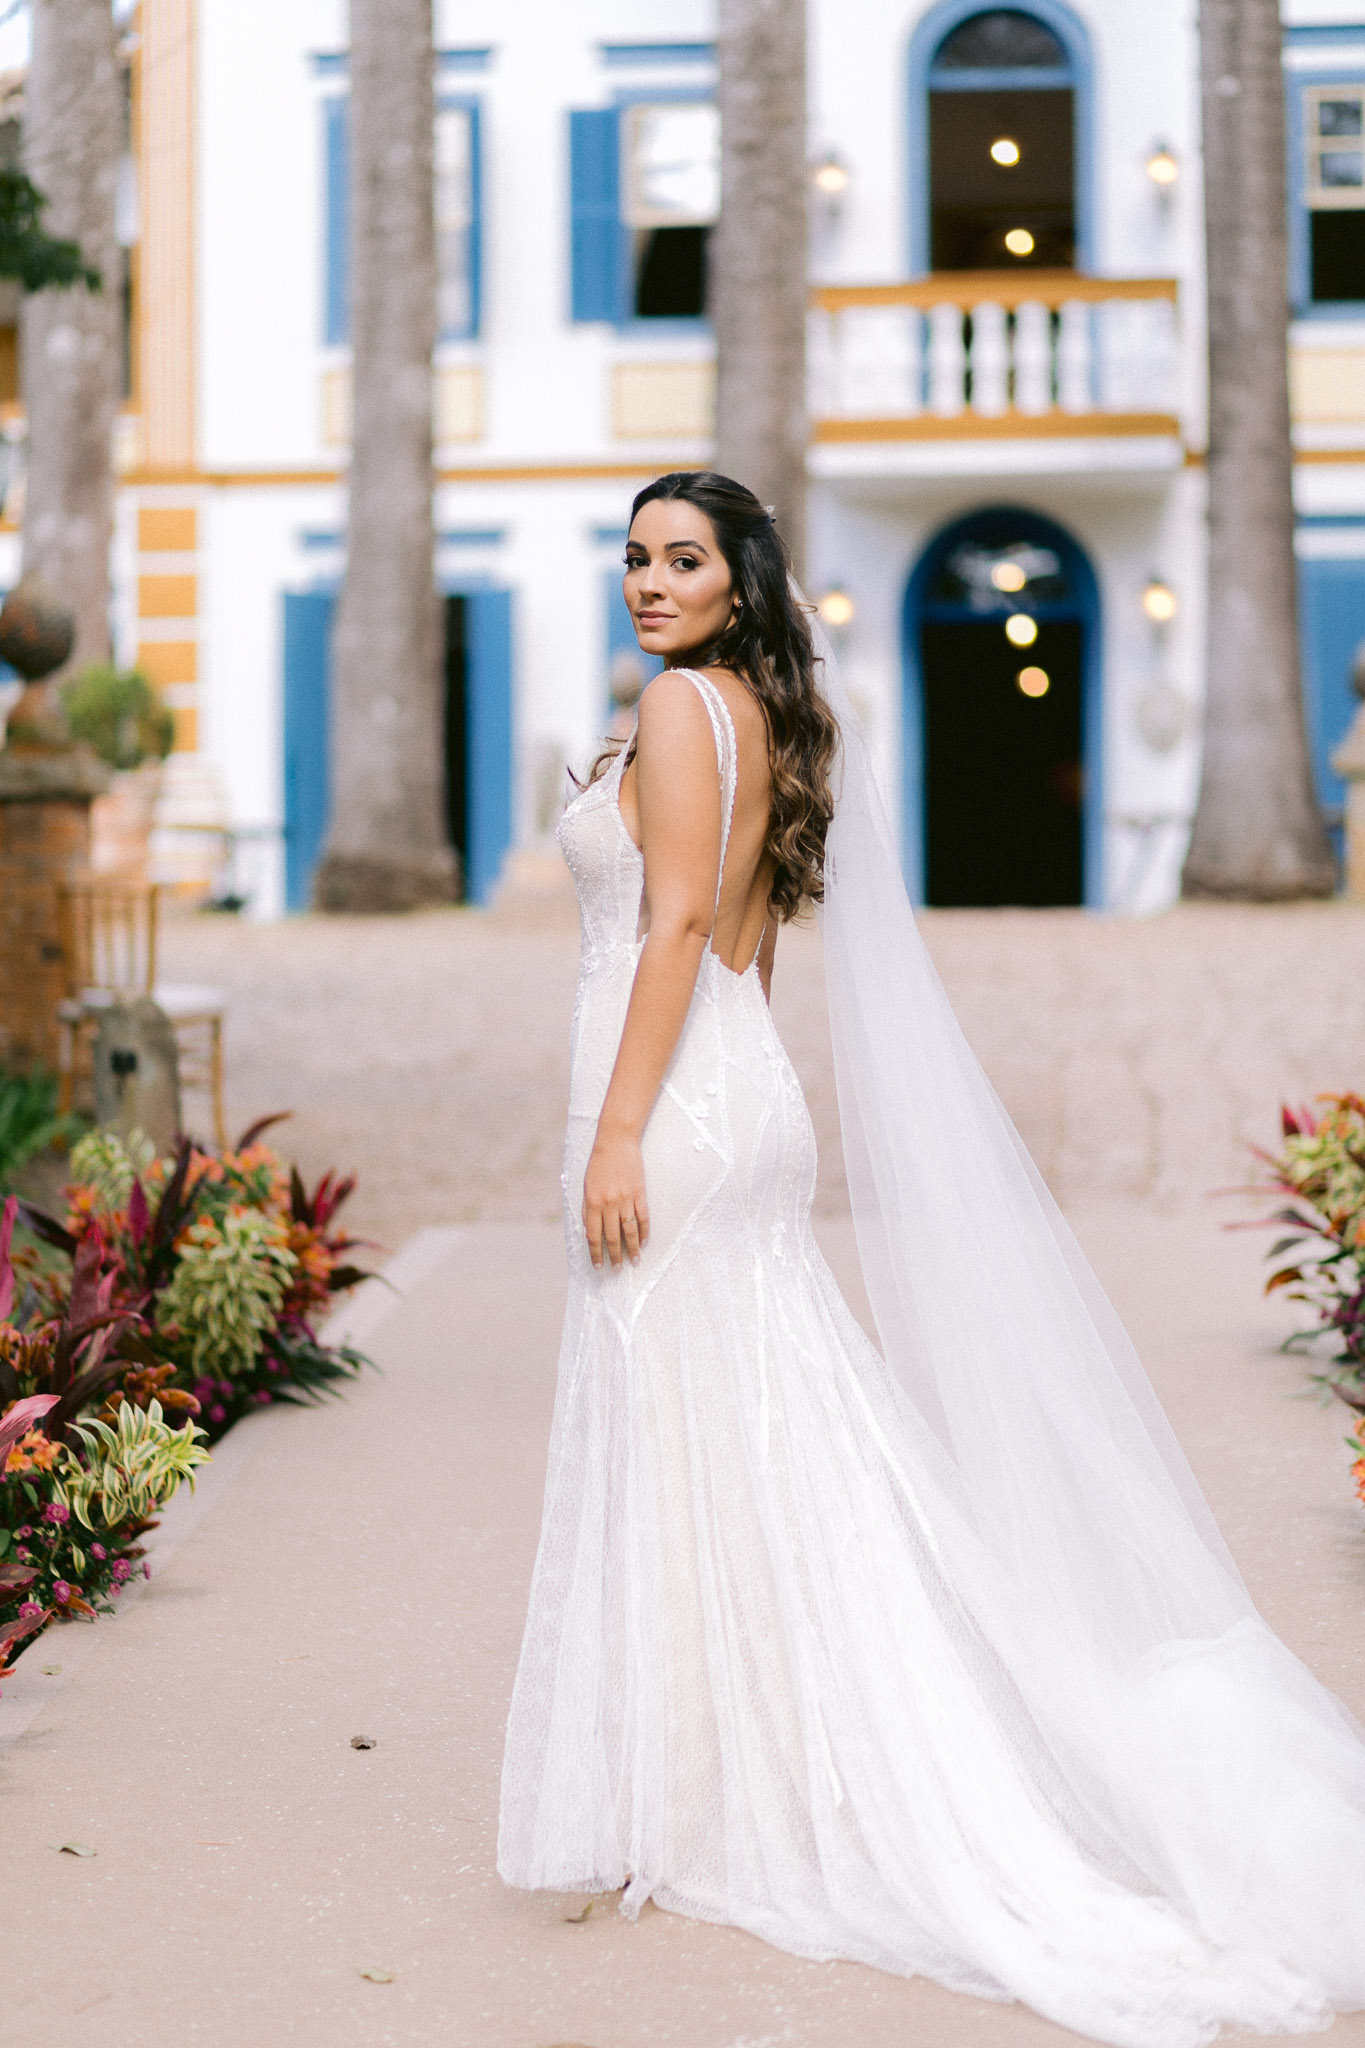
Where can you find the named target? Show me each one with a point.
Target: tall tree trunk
(71, 340)
(387, 846)
(758, 257)
(1257, 832)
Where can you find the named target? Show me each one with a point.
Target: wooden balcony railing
(991, 353)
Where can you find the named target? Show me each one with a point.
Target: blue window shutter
(475, 223)
(1332, 626)
(596, 237)
(307, 776)
(488, 744)
(336, 150)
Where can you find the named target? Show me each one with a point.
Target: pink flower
(61, 1592)
(27, 1530)
(98, 1550)
(146, 1568)
(29, 1609)
(24, 1556)
(122, 1570)
(217, 1413)
(55, 1511)
(263, 1397)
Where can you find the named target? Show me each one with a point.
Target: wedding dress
(926, 1656)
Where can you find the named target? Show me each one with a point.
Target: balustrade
(1038, 351)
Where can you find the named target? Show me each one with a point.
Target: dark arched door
(1001, 623)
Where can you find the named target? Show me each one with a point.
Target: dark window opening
(1336, 256)
(456, 734)
(670, 273)
(976, 201)
(1003, 40)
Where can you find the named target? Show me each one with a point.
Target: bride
(928, 1656)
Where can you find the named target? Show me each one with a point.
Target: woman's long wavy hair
(767, 644)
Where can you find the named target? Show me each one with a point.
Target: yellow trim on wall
(1005, 426)
(167, 529)
(166, 662)
(167, 597)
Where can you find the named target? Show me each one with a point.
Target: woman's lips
(653, 618)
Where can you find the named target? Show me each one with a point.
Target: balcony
(979, 357)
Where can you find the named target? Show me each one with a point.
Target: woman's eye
(684, 561)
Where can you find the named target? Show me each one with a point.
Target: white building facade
(1006, 373)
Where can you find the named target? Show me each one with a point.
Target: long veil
(1201, 1756)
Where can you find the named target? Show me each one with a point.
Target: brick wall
(42, 840)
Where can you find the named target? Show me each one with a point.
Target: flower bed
(175, 1295)
(1321, 1168)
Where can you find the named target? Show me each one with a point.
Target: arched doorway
(1002, 725)
(999, 138)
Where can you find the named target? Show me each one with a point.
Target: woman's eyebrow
(697, 547)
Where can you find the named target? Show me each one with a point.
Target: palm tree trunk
(1257, 832)
(70, 340)
(758, 257)
(387, 845)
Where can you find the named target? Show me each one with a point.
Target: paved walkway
(430, 1054)
(363, 1569)
(364, 1572)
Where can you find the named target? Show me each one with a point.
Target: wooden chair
(109, 945)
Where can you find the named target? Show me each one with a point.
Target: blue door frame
(998, 526)
(488, 708)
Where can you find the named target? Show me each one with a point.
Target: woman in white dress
(926, 1655)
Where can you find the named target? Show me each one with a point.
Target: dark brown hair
(767, 644)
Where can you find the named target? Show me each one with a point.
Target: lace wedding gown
(770, 1671)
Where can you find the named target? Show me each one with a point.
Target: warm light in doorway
(830, 175)
(1021, 630)
(1019, 242)
(1034, 682)
(836, 608)
(1005, 150)
(1008, 576)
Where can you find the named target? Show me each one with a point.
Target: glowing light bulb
(1159, 602)
(1004, 150)
(830, 176)
(1162, 167)
(1008, 576)
(836, 608)
(1034, 682)
(1021, 630)
(1019, 242)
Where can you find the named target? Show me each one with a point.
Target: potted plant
(119, 716)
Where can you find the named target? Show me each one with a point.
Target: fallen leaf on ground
(377, 1976)
(362, 1742)
(72, 1849)
(52, 1671)
(576, 1920)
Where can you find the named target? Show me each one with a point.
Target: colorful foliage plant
(1321, 1168)
(176, 1295)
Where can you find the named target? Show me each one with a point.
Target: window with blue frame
(1333, 171)
(644, 194)
(456, 204)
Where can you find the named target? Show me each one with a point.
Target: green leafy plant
(118, 714)
(226, 1292)
(128, 1471)
(27, 251)
(29, 1122)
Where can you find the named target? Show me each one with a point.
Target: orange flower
(35, 1453)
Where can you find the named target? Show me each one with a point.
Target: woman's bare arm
(678, 793)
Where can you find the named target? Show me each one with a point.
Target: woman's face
(678, 584)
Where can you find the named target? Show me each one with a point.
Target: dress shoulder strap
(727, 756)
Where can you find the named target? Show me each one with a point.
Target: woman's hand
(615, 1211)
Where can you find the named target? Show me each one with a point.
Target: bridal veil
(1197, 1756)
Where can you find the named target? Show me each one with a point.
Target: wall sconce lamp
(836, 607)
(1162, 167)
(1159, 601)
(829, 175)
